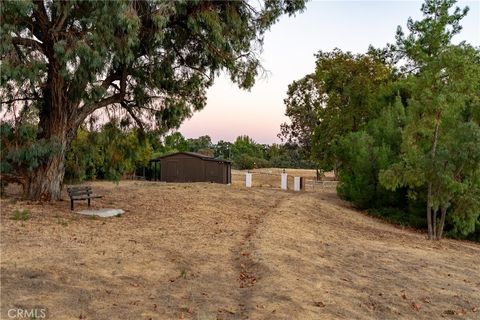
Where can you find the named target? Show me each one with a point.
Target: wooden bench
(80, 193)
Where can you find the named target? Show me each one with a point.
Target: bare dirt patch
(207, 251)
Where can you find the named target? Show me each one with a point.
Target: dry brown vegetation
(207, 251)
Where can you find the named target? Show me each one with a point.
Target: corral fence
(270, 179)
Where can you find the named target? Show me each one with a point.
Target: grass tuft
(21, 215)
(183, 273)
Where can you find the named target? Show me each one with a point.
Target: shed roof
(193, 154)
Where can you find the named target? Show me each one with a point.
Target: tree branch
(58, 25)
(182, 59)
(17, 99)
(88, 109)
(28, 42)
(41, 16)
(133, 115)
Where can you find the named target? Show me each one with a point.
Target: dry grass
(270, 177)
(207, 251)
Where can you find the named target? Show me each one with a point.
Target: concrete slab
(104, 213)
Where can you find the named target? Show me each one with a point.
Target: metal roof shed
(194, 167)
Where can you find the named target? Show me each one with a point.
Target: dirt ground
(270, 178)
(209, 251)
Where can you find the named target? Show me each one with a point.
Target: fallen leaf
(449, 312)
(415, 306)
(226, 310)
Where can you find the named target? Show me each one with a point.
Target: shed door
(191, 170)
(213, 171)
(171, 171)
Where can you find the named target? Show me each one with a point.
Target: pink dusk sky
(288, 55)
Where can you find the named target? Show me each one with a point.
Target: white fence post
(284, 182)
(296, 184)
(248, 180)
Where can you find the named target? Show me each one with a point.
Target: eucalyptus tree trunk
(45, 182)
(57, 128)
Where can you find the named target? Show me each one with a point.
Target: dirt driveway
(205, 251)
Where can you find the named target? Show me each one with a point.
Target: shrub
(244, 162)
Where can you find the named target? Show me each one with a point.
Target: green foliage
(203, 142)
(84, 157)
(22, 152)
(223, 149)
(183, 272)
(465, 217)
(106, 154)
(244, 145)
(112, 152)
(303, 103)
(207, 152)
(357, 174)
(21, 215)
(247, 154)
(443, 88)
(173, 142)
(289, 155)
(365, 153)
(339, 97)
(400, 125)
(361, 158)
(350, 86)
(150, 62)
(245, 161)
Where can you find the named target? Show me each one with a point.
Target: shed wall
(186, 168)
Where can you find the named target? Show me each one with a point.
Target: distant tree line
(115, 149)
(64, 62)
(400, 126)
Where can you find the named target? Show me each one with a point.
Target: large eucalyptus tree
(154, 59)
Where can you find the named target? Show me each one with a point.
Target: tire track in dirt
(247, 261)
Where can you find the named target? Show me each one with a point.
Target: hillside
(205, 251)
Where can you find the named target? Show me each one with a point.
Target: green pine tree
(441, 143)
